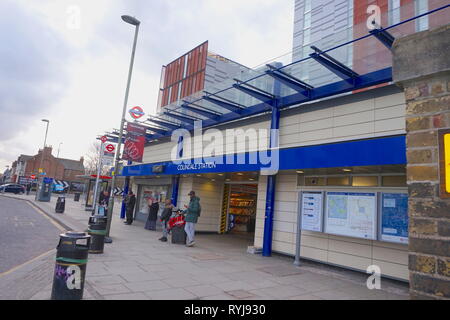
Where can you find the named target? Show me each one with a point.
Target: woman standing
(152, 214)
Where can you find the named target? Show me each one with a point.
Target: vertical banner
(134, 142)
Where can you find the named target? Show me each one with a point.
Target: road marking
(25, 263)
(60, 227)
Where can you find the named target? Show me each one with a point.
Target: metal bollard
(70, 269)
(60, 204)
(97, 231)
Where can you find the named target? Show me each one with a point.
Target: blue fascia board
(369, 152)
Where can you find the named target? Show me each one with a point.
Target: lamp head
(131, 20)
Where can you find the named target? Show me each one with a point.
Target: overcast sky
(67, 60)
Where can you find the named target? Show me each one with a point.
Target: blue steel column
(271, 180)
(176, 178)
(125, 192)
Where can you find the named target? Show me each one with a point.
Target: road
(25, 233)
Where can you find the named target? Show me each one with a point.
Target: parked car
(12, 188)
(60, 189)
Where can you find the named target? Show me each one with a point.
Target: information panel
(312, 208)
(351, 214)
(394, 217)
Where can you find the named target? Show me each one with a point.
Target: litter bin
(97, 231)
(70, 269)
(60, 204)
(77, 197)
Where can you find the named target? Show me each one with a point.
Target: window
(394, 12)
(365, 181)
(315, 181)
(393, 181)
(421, 7)
(185, 67)
(180, 85)
(338, 181)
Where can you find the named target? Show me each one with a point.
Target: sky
(67, 61)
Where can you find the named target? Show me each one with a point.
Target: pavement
(136, 266)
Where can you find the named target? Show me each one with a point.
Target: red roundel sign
(136, 112)
(110, 148)
(104, 139)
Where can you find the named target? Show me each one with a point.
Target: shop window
(365, 181)
(338, 181)
(315, 181)
(393, 181)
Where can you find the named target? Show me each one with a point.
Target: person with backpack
(165, 217)
(192, 214)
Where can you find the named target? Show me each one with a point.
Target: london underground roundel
(136, 112)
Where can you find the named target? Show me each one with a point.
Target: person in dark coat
(28, 188)
(103, 203)
(152, 214)
(165, 216)
(130, 201)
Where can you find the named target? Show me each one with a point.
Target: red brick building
(57, 168)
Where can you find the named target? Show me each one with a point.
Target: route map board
(351, 214)
(394, 217)
(312, 208)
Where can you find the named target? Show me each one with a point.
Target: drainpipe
(271, 179)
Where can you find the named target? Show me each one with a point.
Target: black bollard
(60, 204)
(97, 231)
(70, 269)
(76, 197)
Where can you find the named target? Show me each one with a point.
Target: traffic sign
(136, 112)
(110, 148)
(104, 139)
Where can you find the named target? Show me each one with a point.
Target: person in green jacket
(192, 213)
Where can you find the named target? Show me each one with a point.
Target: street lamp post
(59, 147)
(136, 23)
(45, 143)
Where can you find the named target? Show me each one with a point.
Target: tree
(92, 159)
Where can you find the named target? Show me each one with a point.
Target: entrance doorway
(241, 209)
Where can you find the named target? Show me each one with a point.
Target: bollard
(97, 231)
(76, 197)
(60, 204)
(70, 269)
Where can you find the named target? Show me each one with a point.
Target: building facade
(56, 168)
(338, 193)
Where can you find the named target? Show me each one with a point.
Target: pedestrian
(28, 189)
(165, 216)
(130, 201)
(103, 203)
(153, 206)
(192, 214)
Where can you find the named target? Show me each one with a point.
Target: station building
(337, 143)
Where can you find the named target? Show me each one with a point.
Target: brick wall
(422, 68)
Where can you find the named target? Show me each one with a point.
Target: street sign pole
(100, 165)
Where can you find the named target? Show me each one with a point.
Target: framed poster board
(351, 214)
(311, 210)
(394, 217)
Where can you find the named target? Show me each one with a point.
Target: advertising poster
(394, 217)
(311, 206)
(351, 214)
(134, 142)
